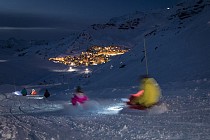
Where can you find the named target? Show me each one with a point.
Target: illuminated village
(93, 56)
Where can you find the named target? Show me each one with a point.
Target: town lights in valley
(93, 56)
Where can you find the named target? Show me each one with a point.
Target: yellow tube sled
(150, 96)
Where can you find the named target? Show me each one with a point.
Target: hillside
(176, 40)
(178, 48)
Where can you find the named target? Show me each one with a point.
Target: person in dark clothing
(24, 92)
(46, 94)
(79, 89)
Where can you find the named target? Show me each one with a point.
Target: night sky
(53, 19)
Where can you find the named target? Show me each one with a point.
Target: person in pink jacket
(79, 97)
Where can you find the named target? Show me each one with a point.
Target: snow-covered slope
(178, 48)
(176, 40)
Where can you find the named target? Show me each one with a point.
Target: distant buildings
(93, 56)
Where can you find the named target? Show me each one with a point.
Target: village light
(70, 69)
(93, 56)
(87, 71)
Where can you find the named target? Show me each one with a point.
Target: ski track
(27, 118)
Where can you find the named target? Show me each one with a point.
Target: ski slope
(178, 49)
(186, 117)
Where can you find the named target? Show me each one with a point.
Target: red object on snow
(33, 92)
(133, 96)
(138, 93)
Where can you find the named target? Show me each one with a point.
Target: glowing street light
(87, 71)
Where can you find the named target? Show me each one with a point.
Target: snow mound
(155, 110)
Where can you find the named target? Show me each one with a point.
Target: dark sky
(52, 19)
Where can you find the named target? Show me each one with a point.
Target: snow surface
(178, 57)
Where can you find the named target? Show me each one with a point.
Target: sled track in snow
(25, 126)
(20, 105)
(19, 119)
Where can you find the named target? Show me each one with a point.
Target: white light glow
(71, 69)
(87, 71)
(2, 61)
(58, 70)
(35, 97)
(17, 93)
(66, 70)
(115, 109)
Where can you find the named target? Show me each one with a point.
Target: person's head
(144, 76)
(78, 89)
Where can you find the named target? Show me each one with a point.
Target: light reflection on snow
(72, 69)
(37, 97)
(114, 109)
(2, 61)
(17, 93)
(67, 70)
(85, 71)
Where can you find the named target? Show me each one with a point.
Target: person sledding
(24, 92)
(148, 95)
(46, 94)
(79, 97)
(33, 92)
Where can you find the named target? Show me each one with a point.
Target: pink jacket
(79, 98)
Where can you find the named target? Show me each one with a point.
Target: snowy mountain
(176, 40)
(172, 37)
(178, 48)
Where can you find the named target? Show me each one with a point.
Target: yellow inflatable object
(151, 93)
